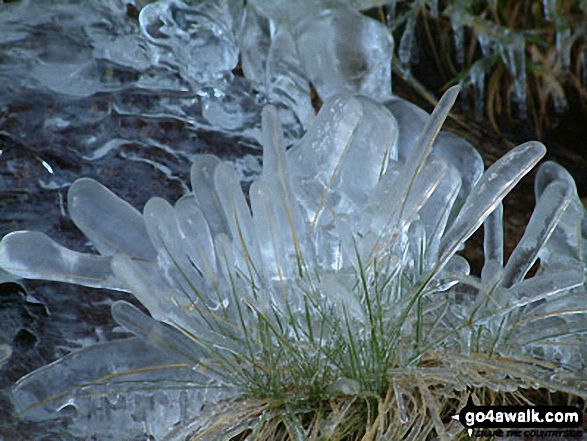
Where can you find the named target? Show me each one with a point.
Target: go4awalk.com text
(521, 421)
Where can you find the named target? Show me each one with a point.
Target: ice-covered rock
(197, 36)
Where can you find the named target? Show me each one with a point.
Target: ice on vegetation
(563, 46)
(459, 38)
(285, 79)
(407, 42)
(356, 56)
(341, 205)
(509, 45)
(349, 236)
(549, 9)
(390, 12)
(477, 75)
(5, 352)
(199, 35)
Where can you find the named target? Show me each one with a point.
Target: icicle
(406, 44)
(549, 9)
(477, 76)
(459, 37)
(563, 47)
(434, 8)
(417, 233)
(390, 14)
(560, 104)
(513, 56)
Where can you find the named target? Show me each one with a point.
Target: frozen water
(407, 42)
(563, 47)
(495, 183)
(323, 214)
(494, 39)
(285, 80)
(390, 12)
(122, 367)
(549, 8)
(198, 35)
(254, 43)
(30, 249)
(365, 212)
(459, 38)
(477, 76)
(550, 208)
(356, 56)
(280, 57)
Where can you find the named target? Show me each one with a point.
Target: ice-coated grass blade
(144, 327)
(33, 255)
(276, 170)
(423, 146)
(493, 186)
(112, 224)
(44, 390)
(202, 180)
(493, 236)
(550, 207)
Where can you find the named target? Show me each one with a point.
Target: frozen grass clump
(331, 303)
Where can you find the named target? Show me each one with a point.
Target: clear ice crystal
(285, 79)
(5, 352)
(494, 39)
(407, 42)
(254, 43)
(356, 58)
(199, 35)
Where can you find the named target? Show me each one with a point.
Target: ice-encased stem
(563, 47)
(151, 331)
(549, 7)
(277, 171)
(112, 224)
(43, 391)
(538, 288)
(493, 236)
(423, 145)
(33, 255)
(493, 186)
(547, 214)
(407, 43)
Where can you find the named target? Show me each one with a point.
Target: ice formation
(321, 217)
(348, 238)
(497, 41)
